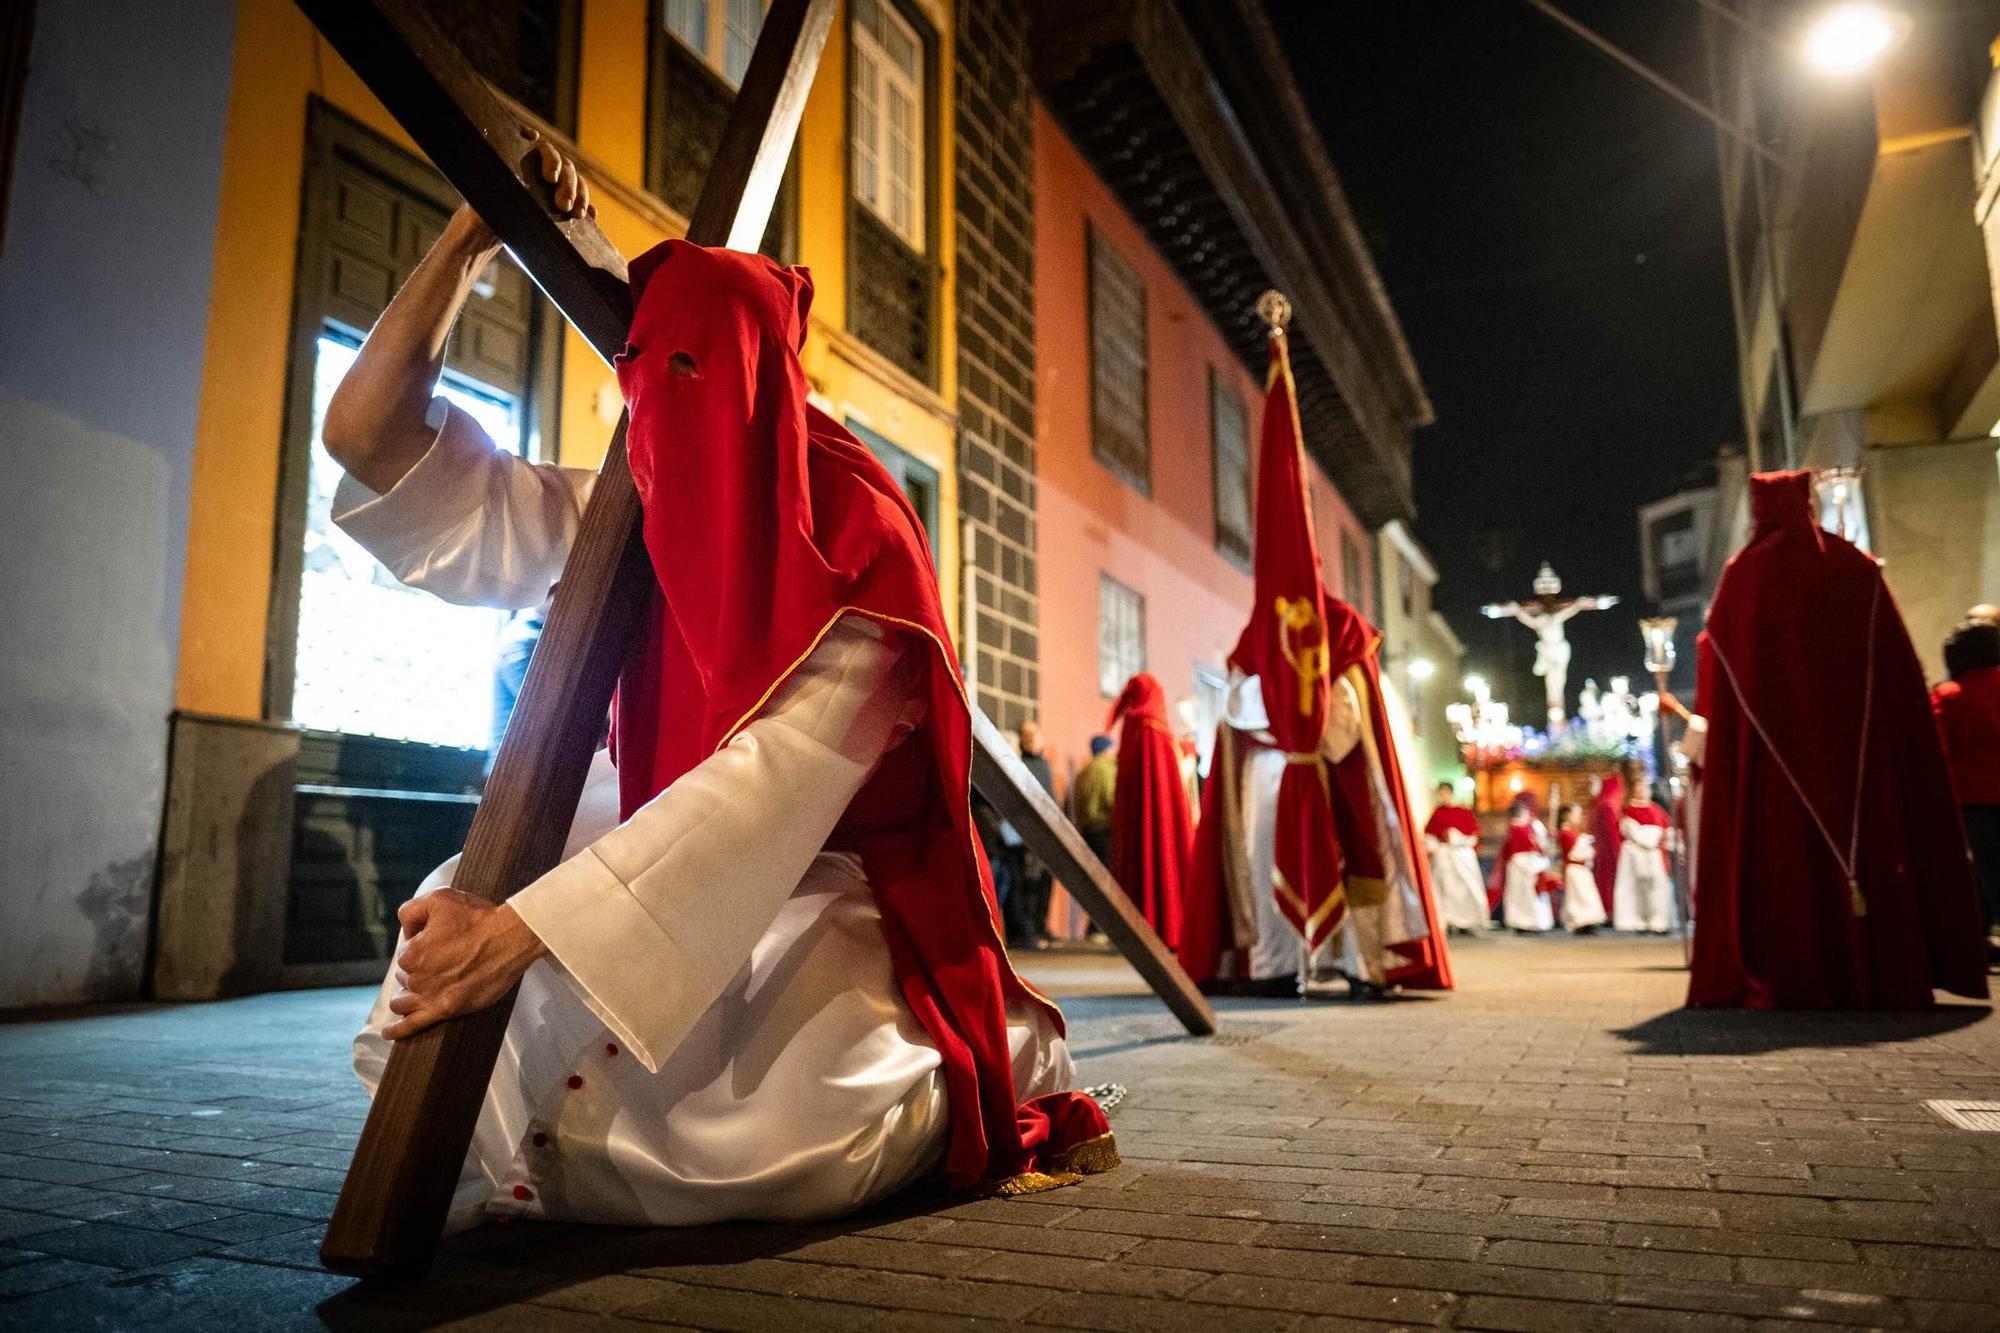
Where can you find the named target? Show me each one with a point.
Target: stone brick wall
(994, 169)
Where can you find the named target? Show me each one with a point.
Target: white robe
(1522, 905)
(1461, 890)
(1642, 897)
(718, 1033)
(1583, 905)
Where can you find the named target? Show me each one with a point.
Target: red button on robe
(1833, 867)
(765, 522)
(1151, 831)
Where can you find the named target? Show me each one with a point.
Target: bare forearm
(375, 423)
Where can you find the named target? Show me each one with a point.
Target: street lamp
(1849, 38)
(1422, 668)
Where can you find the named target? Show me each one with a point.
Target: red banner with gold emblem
(1285, 645)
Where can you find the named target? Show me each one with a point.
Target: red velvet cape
(1151, 831)
(1604, 814)
(765, 522)
(1821, 759)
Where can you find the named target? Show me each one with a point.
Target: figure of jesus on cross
(1546, 615)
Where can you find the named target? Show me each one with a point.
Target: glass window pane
(1121, 635)
(745, 21)
(688, 20)
(864, 122)
(376, 658)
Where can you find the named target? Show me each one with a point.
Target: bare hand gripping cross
(398, 1189)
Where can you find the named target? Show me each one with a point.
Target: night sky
(1549, 233)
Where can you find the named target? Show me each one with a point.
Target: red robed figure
(1151, 831)
(1833, 869)
(765, 523)
(1605, 816)
(1286, 647)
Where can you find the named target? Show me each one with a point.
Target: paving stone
(1613, 1163)
(1063, 1241)
(1121, 1277)
(1127, 1314)
(43, 1273)
(1307, 1296)
(116, 1246)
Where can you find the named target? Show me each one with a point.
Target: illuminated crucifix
(1546, 615)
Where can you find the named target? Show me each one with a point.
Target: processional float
(398, 1189)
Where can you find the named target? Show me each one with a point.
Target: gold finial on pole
(1275, 311)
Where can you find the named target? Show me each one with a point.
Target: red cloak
(1833, 868)
(765, 523)
(1604, 827)
(1151, 831)
(1451, 819)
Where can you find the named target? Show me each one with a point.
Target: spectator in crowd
(1091, 796)
(1967, 708)
(1028, 912)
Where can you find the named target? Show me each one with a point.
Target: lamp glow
(1422, 668)
(1849, 38)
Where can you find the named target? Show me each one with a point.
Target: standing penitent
(1642, 899)
(776, 989)
(1833, 865)
(1524, 861)
(1582, 908)
(1152, 829)
(1451, 836)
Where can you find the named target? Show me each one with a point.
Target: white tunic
(1461, 890)
(1522, 906)
(1642, 897)
(718, 1033)
(1583, 905)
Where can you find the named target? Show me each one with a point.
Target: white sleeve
(470, 523)
(1694, 743)
(655, 918)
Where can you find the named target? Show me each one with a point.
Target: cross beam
(398, 1189)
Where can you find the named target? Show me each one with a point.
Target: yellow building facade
(330, 736)
(282, 66)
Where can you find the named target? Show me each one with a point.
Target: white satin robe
(718, 1033)
(1522, 906)
(1461, 889)
(1583, 905)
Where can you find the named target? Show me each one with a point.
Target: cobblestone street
(1555, 1146)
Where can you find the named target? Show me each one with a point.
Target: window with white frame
(1121, 635)
(886, 119)
(721, 32)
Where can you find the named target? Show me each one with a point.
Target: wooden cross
(399, 1187)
